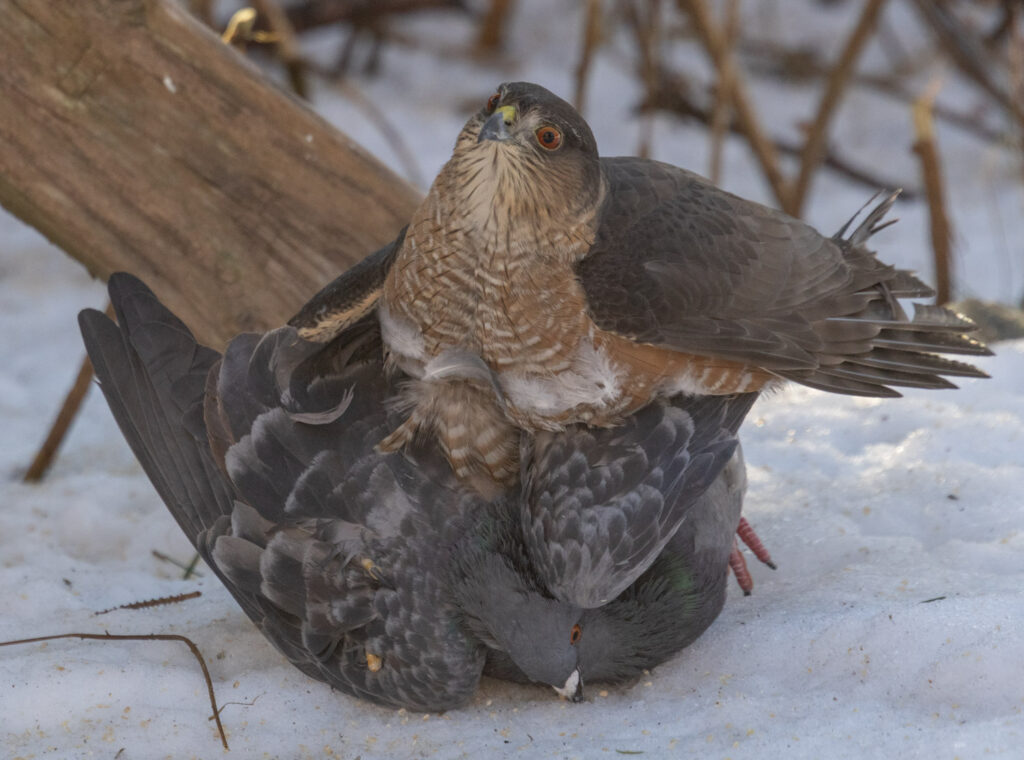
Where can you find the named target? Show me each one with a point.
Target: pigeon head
(526, 158)
(504, 606)
(541, 636)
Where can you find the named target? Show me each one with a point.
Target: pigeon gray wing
(677, 598)
(670, 605)
(599, 505)
(320, 539)
(681, 264)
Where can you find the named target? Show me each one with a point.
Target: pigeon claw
(739, 569)
(750, 538)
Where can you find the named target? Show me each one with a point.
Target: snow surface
(891, 628)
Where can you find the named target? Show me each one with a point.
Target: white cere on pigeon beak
(572, 688)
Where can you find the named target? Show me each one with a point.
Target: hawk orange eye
(575, 634)
(549, 137)
(492, 102)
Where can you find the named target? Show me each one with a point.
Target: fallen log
(134, 139)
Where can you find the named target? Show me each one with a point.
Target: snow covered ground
(891, 628)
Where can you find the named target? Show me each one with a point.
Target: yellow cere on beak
(509, 112)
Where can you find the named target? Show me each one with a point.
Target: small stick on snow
(68, 411)
(153, 602)
(141, 637)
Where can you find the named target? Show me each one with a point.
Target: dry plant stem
(134, 139)
(62, 423)
(316, 13)
(678, 103)
(202, 10)
(889, 84)
(817, 137)
(189, 569)
(645, 18)
(591, 38)
(141, 637)
(715, 46)
(390, 133)
(1016, 58)
(492, 27)
(931, 173)
(153, 602)
(720, 111)
(967, 53)
(287, 46)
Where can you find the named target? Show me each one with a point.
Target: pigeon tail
(153, 374)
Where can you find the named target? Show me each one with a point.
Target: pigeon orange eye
(575, 634)
(492, 102)
(549, 137)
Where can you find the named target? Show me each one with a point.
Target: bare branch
(838, 79)
(591, 38)
(141, 637)
(720, 110)
(931, 173)
(717, 49)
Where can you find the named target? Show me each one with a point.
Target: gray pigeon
(380, 573)
(671, 604)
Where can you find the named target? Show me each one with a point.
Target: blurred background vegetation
(722, 66)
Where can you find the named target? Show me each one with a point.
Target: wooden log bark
(134, 139)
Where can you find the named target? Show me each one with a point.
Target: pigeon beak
(573, 688)
(496, 126)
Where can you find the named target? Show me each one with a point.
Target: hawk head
(526, 157)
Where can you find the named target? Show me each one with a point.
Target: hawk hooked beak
(573, 688)
(496, 126)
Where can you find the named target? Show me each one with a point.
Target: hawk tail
(880, 346)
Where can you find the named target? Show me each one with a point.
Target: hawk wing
(348, 298)
(681, 264)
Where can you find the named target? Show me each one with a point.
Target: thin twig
(839, 77)
(645, 20)
(141, 637)
(189, 568)
(967, 53)
(202, 10)
(492, 27)
(772, 60)
(287, 46)
(393, 136)
(1015, 56)
(317, 13)
(68, 411)
(241, 29)
(153, 602)
(671, 97)
(720, 110)
(931, 173)
(718, 51)
(591, 38)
